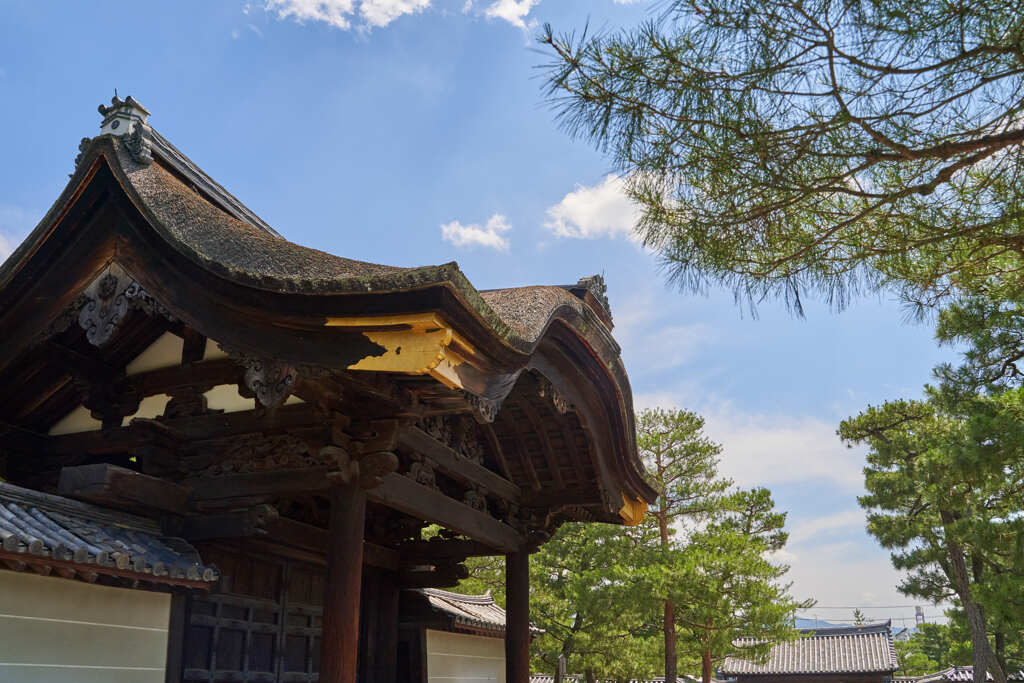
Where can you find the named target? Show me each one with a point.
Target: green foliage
(779, 146)
(725, 586)
(944, 480)
(599, 591)
(586, 597)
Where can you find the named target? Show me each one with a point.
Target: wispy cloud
(589, 212)
(840, 522)
(15, 223)
(489, 235)
(512, 11)
(766, 449)
(341, 13)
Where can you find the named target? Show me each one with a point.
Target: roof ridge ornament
(127, 119)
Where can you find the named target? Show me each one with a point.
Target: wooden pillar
(340, 646)
(517, 617)
(385, 667)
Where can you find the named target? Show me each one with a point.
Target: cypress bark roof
(51, 531)
(839, 650)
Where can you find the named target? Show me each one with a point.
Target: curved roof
(838, 650)
(962, 674)
(48, 530)
(264, 275)
(476, 611)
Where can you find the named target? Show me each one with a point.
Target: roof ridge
(206, 184)
(485, 599)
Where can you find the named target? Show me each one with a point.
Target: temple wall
(55, 630)
(464, 658)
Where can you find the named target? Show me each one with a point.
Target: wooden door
(263, 625)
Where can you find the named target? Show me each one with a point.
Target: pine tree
(726, 587)
(781, 146)
(684, 466)
(945, 478)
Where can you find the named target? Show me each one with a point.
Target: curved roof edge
(206, 226)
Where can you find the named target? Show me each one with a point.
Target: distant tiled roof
(575, 678)
(475, 611)
(839, 650)
(964, 674)
(74, 537)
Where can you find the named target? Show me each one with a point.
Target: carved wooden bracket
(485, 410)
(107, 301)
(368, 471)
(271, 381)
(547, 390)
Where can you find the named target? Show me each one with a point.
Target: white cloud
(15, 223)
(601, 210)
(512, 11)
(7, 246)
(488, 235)
(339, 13)
(383, 12)
(845, 521)
(765, 449)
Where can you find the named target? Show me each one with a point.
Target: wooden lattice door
(263, 625)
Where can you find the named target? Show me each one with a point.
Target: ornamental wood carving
(373, 467)
(259, 453)
(423, 473)
(105, 304)
(457, 432)
(547, 390)
(270, 380)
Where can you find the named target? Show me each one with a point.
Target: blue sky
(415, 131)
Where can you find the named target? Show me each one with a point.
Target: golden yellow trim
(632, 511)
(415, 344)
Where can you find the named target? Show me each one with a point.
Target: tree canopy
(944, 480)
(782, 146)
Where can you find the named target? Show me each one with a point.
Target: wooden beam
(405, 495)
(549, 453)
(127, 439)
(456, 466)
(442, 577)
(524, 455)
(243, 524)
(106, 484)
(492, 441)
(422, 552)
(256, 484)
(574, 454)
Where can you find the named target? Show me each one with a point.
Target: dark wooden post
(517, 617)
(385, 667)
(340, 648)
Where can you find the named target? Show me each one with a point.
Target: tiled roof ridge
(864, 649)
(60, 504)
(485, 599)
(40, 529)
(848, 629)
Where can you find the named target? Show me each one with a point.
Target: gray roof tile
(846, 649)
(40, 528)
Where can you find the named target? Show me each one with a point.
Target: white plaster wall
(55, 630)
(464, 658)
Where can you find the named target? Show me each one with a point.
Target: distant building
(958, 674)
(447, 636)
(841, 654)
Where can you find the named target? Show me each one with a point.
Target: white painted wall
(55, 630)
(464, 658)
